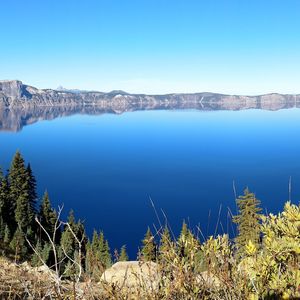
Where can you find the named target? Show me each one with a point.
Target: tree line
(26, 223)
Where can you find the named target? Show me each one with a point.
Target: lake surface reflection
(107, 167)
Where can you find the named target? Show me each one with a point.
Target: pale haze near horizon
(155, 47)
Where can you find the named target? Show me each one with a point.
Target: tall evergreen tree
(47, 217)
(123, 254)
(104, 251)
(35, 260)
(95, 242)
(248, 221)
(98, 257)
(92, 258)
(32, 190)
(20, 192)
(81, 236)
(149, 247)
(6, 211)
(72, 220)
(3, 200)
(89, 258)
(67, 248)
(17, 178)
(21, 213)
(67, 242)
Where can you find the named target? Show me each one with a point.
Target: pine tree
(47, 216)
(67, 242)
(248, 221)
(166, 243)
(17, 178)
(97, 255)
(46, 254)
(104, 251)
(36, 260)
(6, 211)
(67, 238)
(95, 242)
(68, 270)
(183, 239)
(81, 236)
(88, 259)
(32, 190)
(20, 192)
(21, 213)
(18, 245)
(66, 249)
(184, 233)
(108, 259)
(72, 220)
(72, 270)
(149, 247)
(123, 254)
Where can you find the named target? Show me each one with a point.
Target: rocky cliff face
(16, 94)
(22, 104)
(12, 89)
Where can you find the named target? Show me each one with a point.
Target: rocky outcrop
(132, 274)
(145, 275)
(12, 89)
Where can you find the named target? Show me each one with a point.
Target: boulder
(132, 274)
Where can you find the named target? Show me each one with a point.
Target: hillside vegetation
(44, 257)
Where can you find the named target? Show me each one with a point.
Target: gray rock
(132, 274)
(11, 88)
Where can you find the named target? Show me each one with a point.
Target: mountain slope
(14, 94)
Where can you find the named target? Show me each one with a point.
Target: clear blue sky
(153, 46)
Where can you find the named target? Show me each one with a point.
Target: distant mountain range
(14, 93)
(22, 105)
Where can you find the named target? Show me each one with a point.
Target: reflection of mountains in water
(22, 104)
(15, 117)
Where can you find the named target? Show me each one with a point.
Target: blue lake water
(107, 167)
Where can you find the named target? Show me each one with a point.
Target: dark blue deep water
(106, 167)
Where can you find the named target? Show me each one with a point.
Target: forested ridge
(261, 262)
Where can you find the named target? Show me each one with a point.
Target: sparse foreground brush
(216, 269)
(188, 269)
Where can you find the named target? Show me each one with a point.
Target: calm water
(106, 167)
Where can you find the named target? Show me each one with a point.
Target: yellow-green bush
(274, 269)
(270, 270)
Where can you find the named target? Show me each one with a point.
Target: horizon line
(61, 88)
